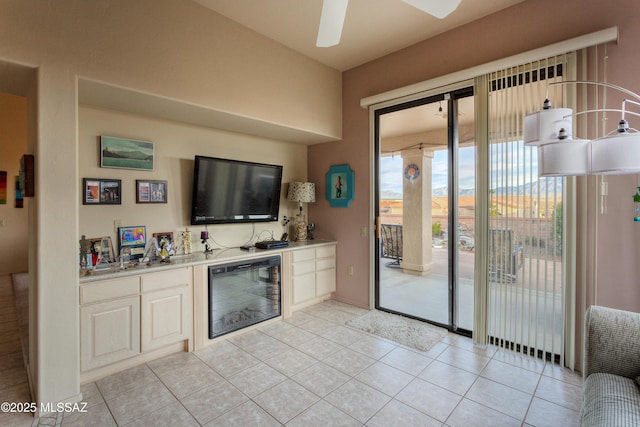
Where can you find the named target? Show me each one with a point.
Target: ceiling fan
(334, 11)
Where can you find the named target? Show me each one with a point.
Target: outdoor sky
(502, 157)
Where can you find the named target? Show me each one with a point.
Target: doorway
(425, 209)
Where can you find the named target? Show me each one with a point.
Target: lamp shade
(543, 127)
(616, 154)
(303, 192)
(565, 157)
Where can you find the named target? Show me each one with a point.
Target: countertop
(218, 255)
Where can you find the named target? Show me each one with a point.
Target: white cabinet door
(325, 281)
(165, 317)
(304, 287)
(110, 331)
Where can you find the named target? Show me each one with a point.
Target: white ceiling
(372, 28)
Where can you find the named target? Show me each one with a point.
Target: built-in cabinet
(313, 274)
(130, 316)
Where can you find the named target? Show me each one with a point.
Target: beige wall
(176, 49)
(175, 145)
(528, 25)
(14, 240)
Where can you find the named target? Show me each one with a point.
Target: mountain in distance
(390, 195)
(542, 187)
(546, 186)
(443, 192)
(125, 154)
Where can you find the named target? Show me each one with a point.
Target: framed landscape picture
(126, 153)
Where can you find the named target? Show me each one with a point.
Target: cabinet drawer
(305, 267)
(323, 264)
(165, 279)
(304, 255)
(326, 251)
(109, 289)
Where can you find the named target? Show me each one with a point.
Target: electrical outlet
(350, 270)
(1, 222)
(117, 223)
(363, 232)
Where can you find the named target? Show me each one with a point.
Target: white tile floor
(313, 371)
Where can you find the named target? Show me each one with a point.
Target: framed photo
(102, 191)
(339, 186)
(100, 249)
(133, 239)
(27, 185)
(126, 153)
(165, 242)
(151, 191)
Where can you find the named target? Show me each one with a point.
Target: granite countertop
(218, 255)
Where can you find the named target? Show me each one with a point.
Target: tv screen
(228, 191)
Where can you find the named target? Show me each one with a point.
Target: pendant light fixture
(560, 155)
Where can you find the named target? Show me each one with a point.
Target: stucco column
(416, 216)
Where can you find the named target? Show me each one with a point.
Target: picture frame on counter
(151, 191)
(165, 241)
(134, 239)
(100, 249)
(98, 191)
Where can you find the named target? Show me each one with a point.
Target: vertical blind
(526, 286)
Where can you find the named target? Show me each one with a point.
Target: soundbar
(272, 244)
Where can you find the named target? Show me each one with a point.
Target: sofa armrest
(611, 342)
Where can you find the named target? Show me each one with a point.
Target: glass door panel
(466, 203)
(419, 244)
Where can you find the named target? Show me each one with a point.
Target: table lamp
(301, 192)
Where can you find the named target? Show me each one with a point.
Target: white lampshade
(565, 157)
(616, 154)
(303, 192)
(543, 127)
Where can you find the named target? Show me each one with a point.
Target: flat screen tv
(229, 191)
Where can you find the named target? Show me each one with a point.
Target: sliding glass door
(425, 208)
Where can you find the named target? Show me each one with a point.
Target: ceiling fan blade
(438, 8)
(331, 22)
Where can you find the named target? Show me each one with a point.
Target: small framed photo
(102, 191)
(165, 242)
(134, 239)
(151, 191)
(100, 251)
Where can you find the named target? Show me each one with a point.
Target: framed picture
(3, 187)
(126, 153)
(134, 239)
(165, 242)
(151, 191)
(27, 185)
(102, 191)
(100, 249)
(339, 186)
